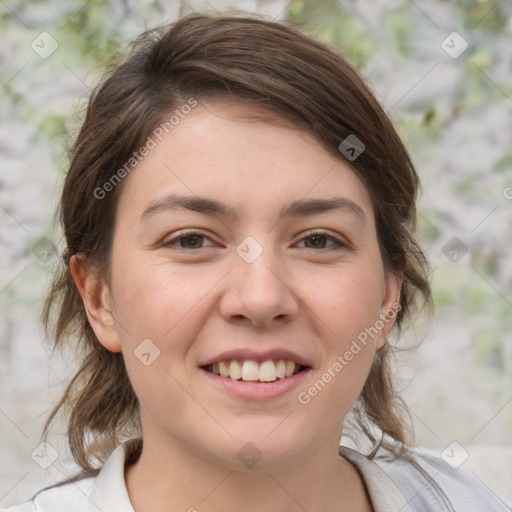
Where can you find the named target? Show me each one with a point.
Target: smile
(253, 371)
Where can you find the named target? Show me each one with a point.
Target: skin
(195, 301)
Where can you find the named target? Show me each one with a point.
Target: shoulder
(28, 506)
(68, 496)
(106, 492)
(426, 480)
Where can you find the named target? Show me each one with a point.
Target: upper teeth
(250, 370)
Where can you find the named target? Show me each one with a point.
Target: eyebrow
(208, 206)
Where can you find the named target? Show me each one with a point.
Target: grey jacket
(427, 485)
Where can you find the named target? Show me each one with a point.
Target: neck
(170, 478)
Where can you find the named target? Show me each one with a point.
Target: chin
(258, 450)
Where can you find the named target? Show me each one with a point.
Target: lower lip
(257, 390)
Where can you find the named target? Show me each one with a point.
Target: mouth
(249, 370)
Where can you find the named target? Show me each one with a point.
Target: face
(245, 275)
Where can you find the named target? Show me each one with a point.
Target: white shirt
(392, 485)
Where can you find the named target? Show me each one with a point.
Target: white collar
(385, 495)
(109, 491)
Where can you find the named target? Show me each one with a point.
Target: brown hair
(246, 58)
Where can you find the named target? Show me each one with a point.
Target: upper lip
(244, 354)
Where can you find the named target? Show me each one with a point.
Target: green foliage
(335, 24)
(89, 34)
(482, 14)
(52, 126)
(403, 32)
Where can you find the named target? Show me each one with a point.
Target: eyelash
(339, 244)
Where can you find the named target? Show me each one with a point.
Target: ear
(390, 305)
(97, 301)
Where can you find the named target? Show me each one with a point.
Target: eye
(194, 240)
(318, 239)
(186, 241)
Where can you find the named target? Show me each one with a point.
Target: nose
(257, 292)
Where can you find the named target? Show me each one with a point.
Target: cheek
(158, 308)
(348, 300)
(155, 301)
(348, 306)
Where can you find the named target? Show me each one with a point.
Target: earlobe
(97, 301)
(390, 306)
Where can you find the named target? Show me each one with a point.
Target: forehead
(245, 156)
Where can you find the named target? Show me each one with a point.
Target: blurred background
(443, 72)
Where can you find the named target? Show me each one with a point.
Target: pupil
(193, 237)
(316, 238)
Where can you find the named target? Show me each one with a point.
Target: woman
(238, 214)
